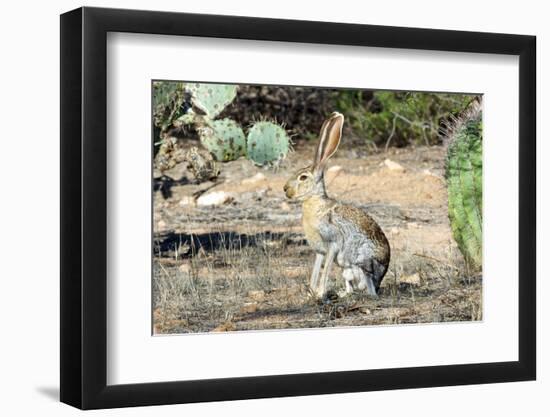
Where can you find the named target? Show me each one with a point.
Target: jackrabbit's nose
(285, 188)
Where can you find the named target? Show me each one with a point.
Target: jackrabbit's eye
(302, 177)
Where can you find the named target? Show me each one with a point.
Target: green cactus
(224, 139)
(266, 143)
(464, 182)
(212, 98)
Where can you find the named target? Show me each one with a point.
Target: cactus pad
(212, 98)
(266, 143)
(224, 139)
(464, 182)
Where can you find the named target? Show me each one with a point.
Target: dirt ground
(245, 265)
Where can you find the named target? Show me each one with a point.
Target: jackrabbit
(338, 231)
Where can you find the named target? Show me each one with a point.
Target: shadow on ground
(187, 245)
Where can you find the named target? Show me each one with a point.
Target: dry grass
(246, 265)
(263, 285)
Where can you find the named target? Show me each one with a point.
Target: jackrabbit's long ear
(329, 139)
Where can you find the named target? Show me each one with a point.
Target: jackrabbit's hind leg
(379, 272)
(349, 277)
(364, 280)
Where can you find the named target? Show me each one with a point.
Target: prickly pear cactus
(212, 98)
(267, 143)
(464, 182)
(224, 139)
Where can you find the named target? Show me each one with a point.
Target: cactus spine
(464, 182)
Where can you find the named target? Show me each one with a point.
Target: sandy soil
(245, 264)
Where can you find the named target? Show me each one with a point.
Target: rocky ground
(231, 255)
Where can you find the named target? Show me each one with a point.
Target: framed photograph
(257, 208)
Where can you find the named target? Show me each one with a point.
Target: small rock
(249, 308)
(262, 192)
(225, 327)
(285, 206)
(335, 168)
(333, 172)
(215, 198)
(185, 268)
(161, 225)
(187, 201)
(430, 175)
(394, 230)
(256, 179)
(257, 295)
(413, 225)
(413, 279)
(393, 166)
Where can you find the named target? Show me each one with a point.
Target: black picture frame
(84, 207)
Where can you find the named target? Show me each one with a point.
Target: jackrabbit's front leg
(314, 281)
(329, 259)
